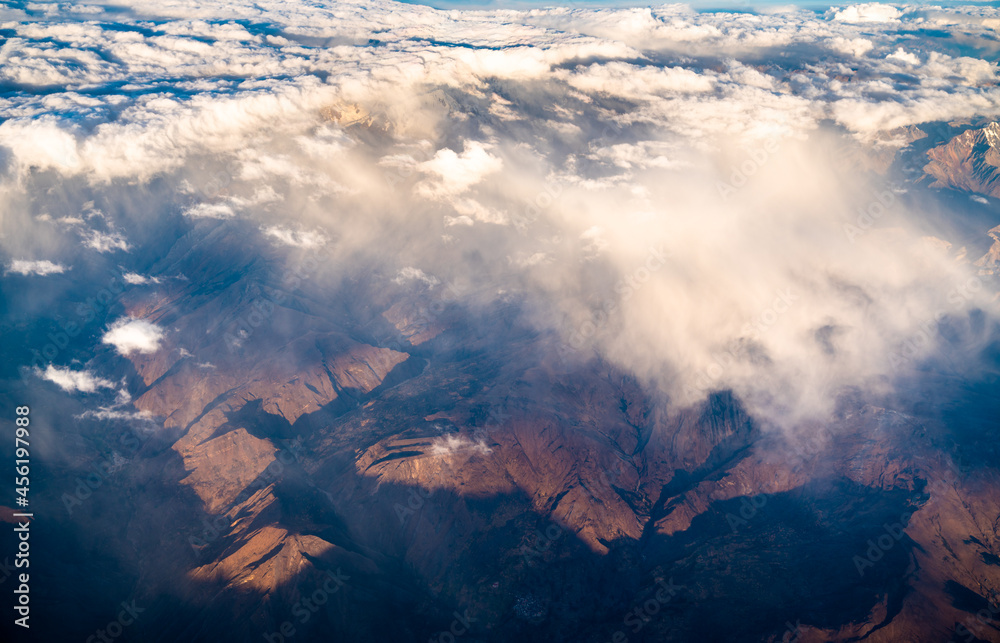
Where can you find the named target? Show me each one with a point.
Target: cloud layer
(654, 186)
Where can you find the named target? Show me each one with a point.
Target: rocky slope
(468, 472)
(326, 454)
(969, 161)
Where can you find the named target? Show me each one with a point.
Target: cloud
(110, 413)
(634, 81)
(130, 335)
(71, 381)
(209, 211)
(869, 12)
(857, 47)
(296, 238)
(105, 241)
(410, 273)
(451, 445)
(41, 267)
(567, 160)
(135, 279)
(904, 56)
(452, 174)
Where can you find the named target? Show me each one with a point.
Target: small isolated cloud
(105, 241)
(870, 12)
(415, 274)
(130, 335)
(979, 199)
(296, 238)
(210, 211)
(452, 444)
(43, 267)
(70, 381)
(136, 279)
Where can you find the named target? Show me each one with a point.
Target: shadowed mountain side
(448, 460)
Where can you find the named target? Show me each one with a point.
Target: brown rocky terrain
(990, 262)
(457, 471)
(969, 161)
(327, 452)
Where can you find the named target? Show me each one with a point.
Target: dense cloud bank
(678, 192)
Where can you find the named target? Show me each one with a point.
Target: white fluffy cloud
(40, 267)
(410, 273)
(567, 158)
(453, 173)
(105, 241)
(451, 445)
(869, 12)
(70, 380)
(130, 335)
